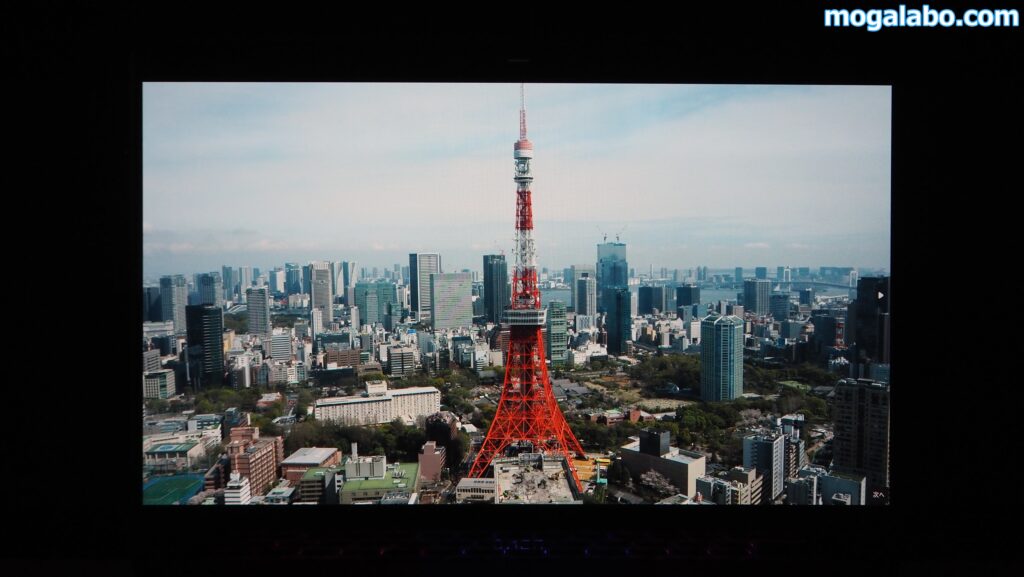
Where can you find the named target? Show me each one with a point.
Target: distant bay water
(707, 295)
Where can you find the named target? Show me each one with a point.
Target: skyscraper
(205, 352)
(766, 454)
(258, 305)
(558, 336)
(244, 278)
(755, 295)
(869, 324)
(421, 266)
(230, 280)
(738, 275)
(586, 294)
(321, 297)
(173, 300)
(807, 296)
(761, 272)
(151, 307)
(721, 356)
(779, 306)
(451, 296)
(292, 278)
(374, 299)
(612, 268)
(861, 445)
(211, 289)
(495, 286)
(576, 272)
(687, 295)
(651, 298)
(618, 323)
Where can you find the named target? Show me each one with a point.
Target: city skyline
(260, 174)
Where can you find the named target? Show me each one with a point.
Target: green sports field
(170, 490)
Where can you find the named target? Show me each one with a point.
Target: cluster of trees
(764, 380)
(238, 322)
(599, 437)
(655, 371)
(397, 441)
(284, 320)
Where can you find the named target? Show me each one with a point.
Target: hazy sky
(723, 176)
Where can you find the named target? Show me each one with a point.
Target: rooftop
(318, 472)
(310, 456)
(526, 484)
(686, 457)
(388, 482)
(172, 448)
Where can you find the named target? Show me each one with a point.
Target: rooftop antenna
(522, 111)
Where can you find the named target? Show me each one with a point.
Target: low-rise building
(474, 490)
(535, 478)
(295, 466)
(681, 467)
(379, 407)
(174, 456)
(317, 485)
(431, 461)
(158, 384)
(399, 477)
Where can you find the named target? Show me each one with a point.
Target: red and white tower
(527, 410)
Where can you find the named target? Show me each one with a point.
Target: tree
(658, 483)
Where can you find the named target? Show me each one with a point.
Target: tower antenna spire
(522, 111)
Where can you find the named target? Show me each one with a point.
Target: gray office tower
(151, 310)
(558, 335)
(721, 355)
(292, 278)
(618, 322)
(755, 295)
(421, 266)
(612, 269)
(451, 297)
(649, 299)
(586, 295)
(807, 296)
(779, 306)
(761, 272)
(687, 295)
(258, 305)
(576, 272)
(739, 275)
(766, 453)
(320, 296)
(211, 289)
(861, 444)
(495, 284)
(230, 280)
(868, 324)
(173, 300)
(374, 300)
(205, 352)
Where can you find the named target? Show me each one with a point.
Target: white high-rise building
(421, 266)
(237, 491)
(173, 300)
(281, 345)
(452, 298)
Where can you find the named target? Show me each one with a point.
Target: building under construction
(535, 479)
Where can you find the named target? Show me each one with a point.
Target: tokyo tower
(527, 411)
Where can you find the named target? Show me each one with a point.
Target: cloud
(757, 245)
(798, 246)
